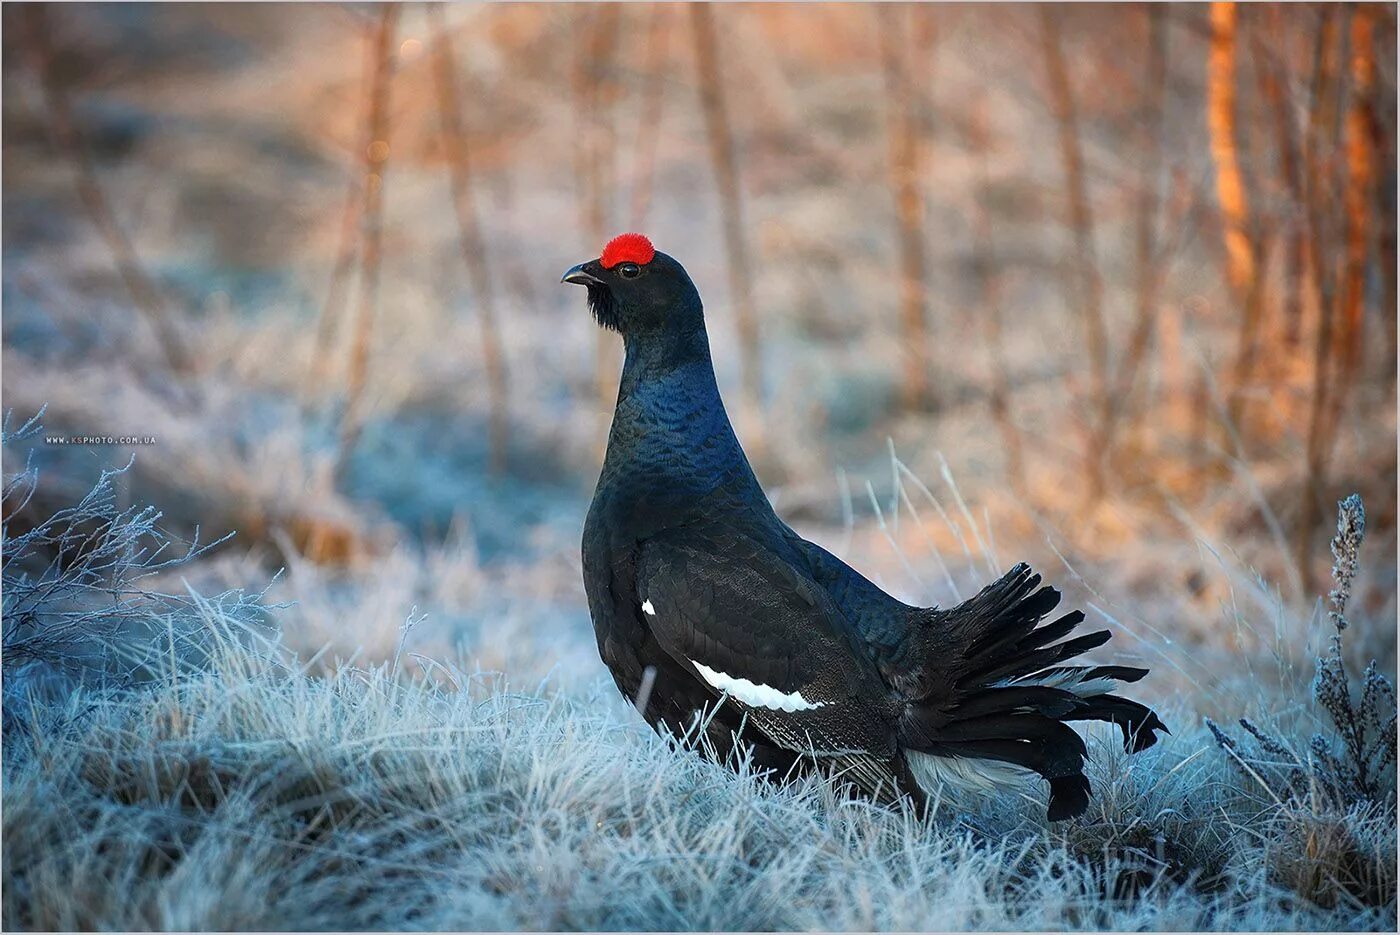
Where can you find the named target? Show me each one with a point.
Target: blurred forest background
(1108, 289)
(1116, 284)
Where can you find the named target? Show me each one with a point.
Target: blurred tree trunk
(69, 142)
(1222, 119)
(1241, 248)
(332, 308)
(1359, 193)
(712, 102)
(1321, 195)
(1358, 183)
(1175, 383)
(371, 226)
(473, 244)
(648, 127)
(1087, 295)
(904, 110)
(989, 287)
(595, 148)
(1384, 109)
(1148, 267)
(1273, 80)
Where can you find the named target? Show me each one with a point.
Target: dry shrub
(1332, 809)
(78, 597)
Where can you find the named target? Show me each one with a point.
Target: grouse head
(638, 292)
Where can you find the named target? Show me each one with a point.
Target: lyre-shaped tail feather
(997, 692)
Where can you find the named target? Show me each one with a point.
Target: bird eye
(629, 270)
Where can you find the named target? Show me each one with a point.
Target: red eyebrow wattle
(628, 248)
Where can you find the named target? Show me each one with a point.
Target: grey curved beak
(580, 275)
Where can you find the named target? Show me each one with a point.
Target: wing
(889, 629)
(755, 628)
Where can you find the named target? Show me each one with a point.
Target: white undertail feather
(1069, 681)
(1092, 687)
(980, 776)
(753, 694)
(976, 776)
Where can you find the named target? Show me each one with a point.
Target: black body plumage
(731, 631)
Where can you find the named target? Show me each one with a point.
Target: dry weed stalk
(1351, 768)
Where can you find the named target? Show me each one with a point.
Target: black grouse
(723, 625)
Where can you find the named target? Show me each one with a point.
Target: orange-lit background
(1129, 273)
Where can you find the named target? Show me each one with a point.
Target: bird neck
(653, 357)
(670, 421)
